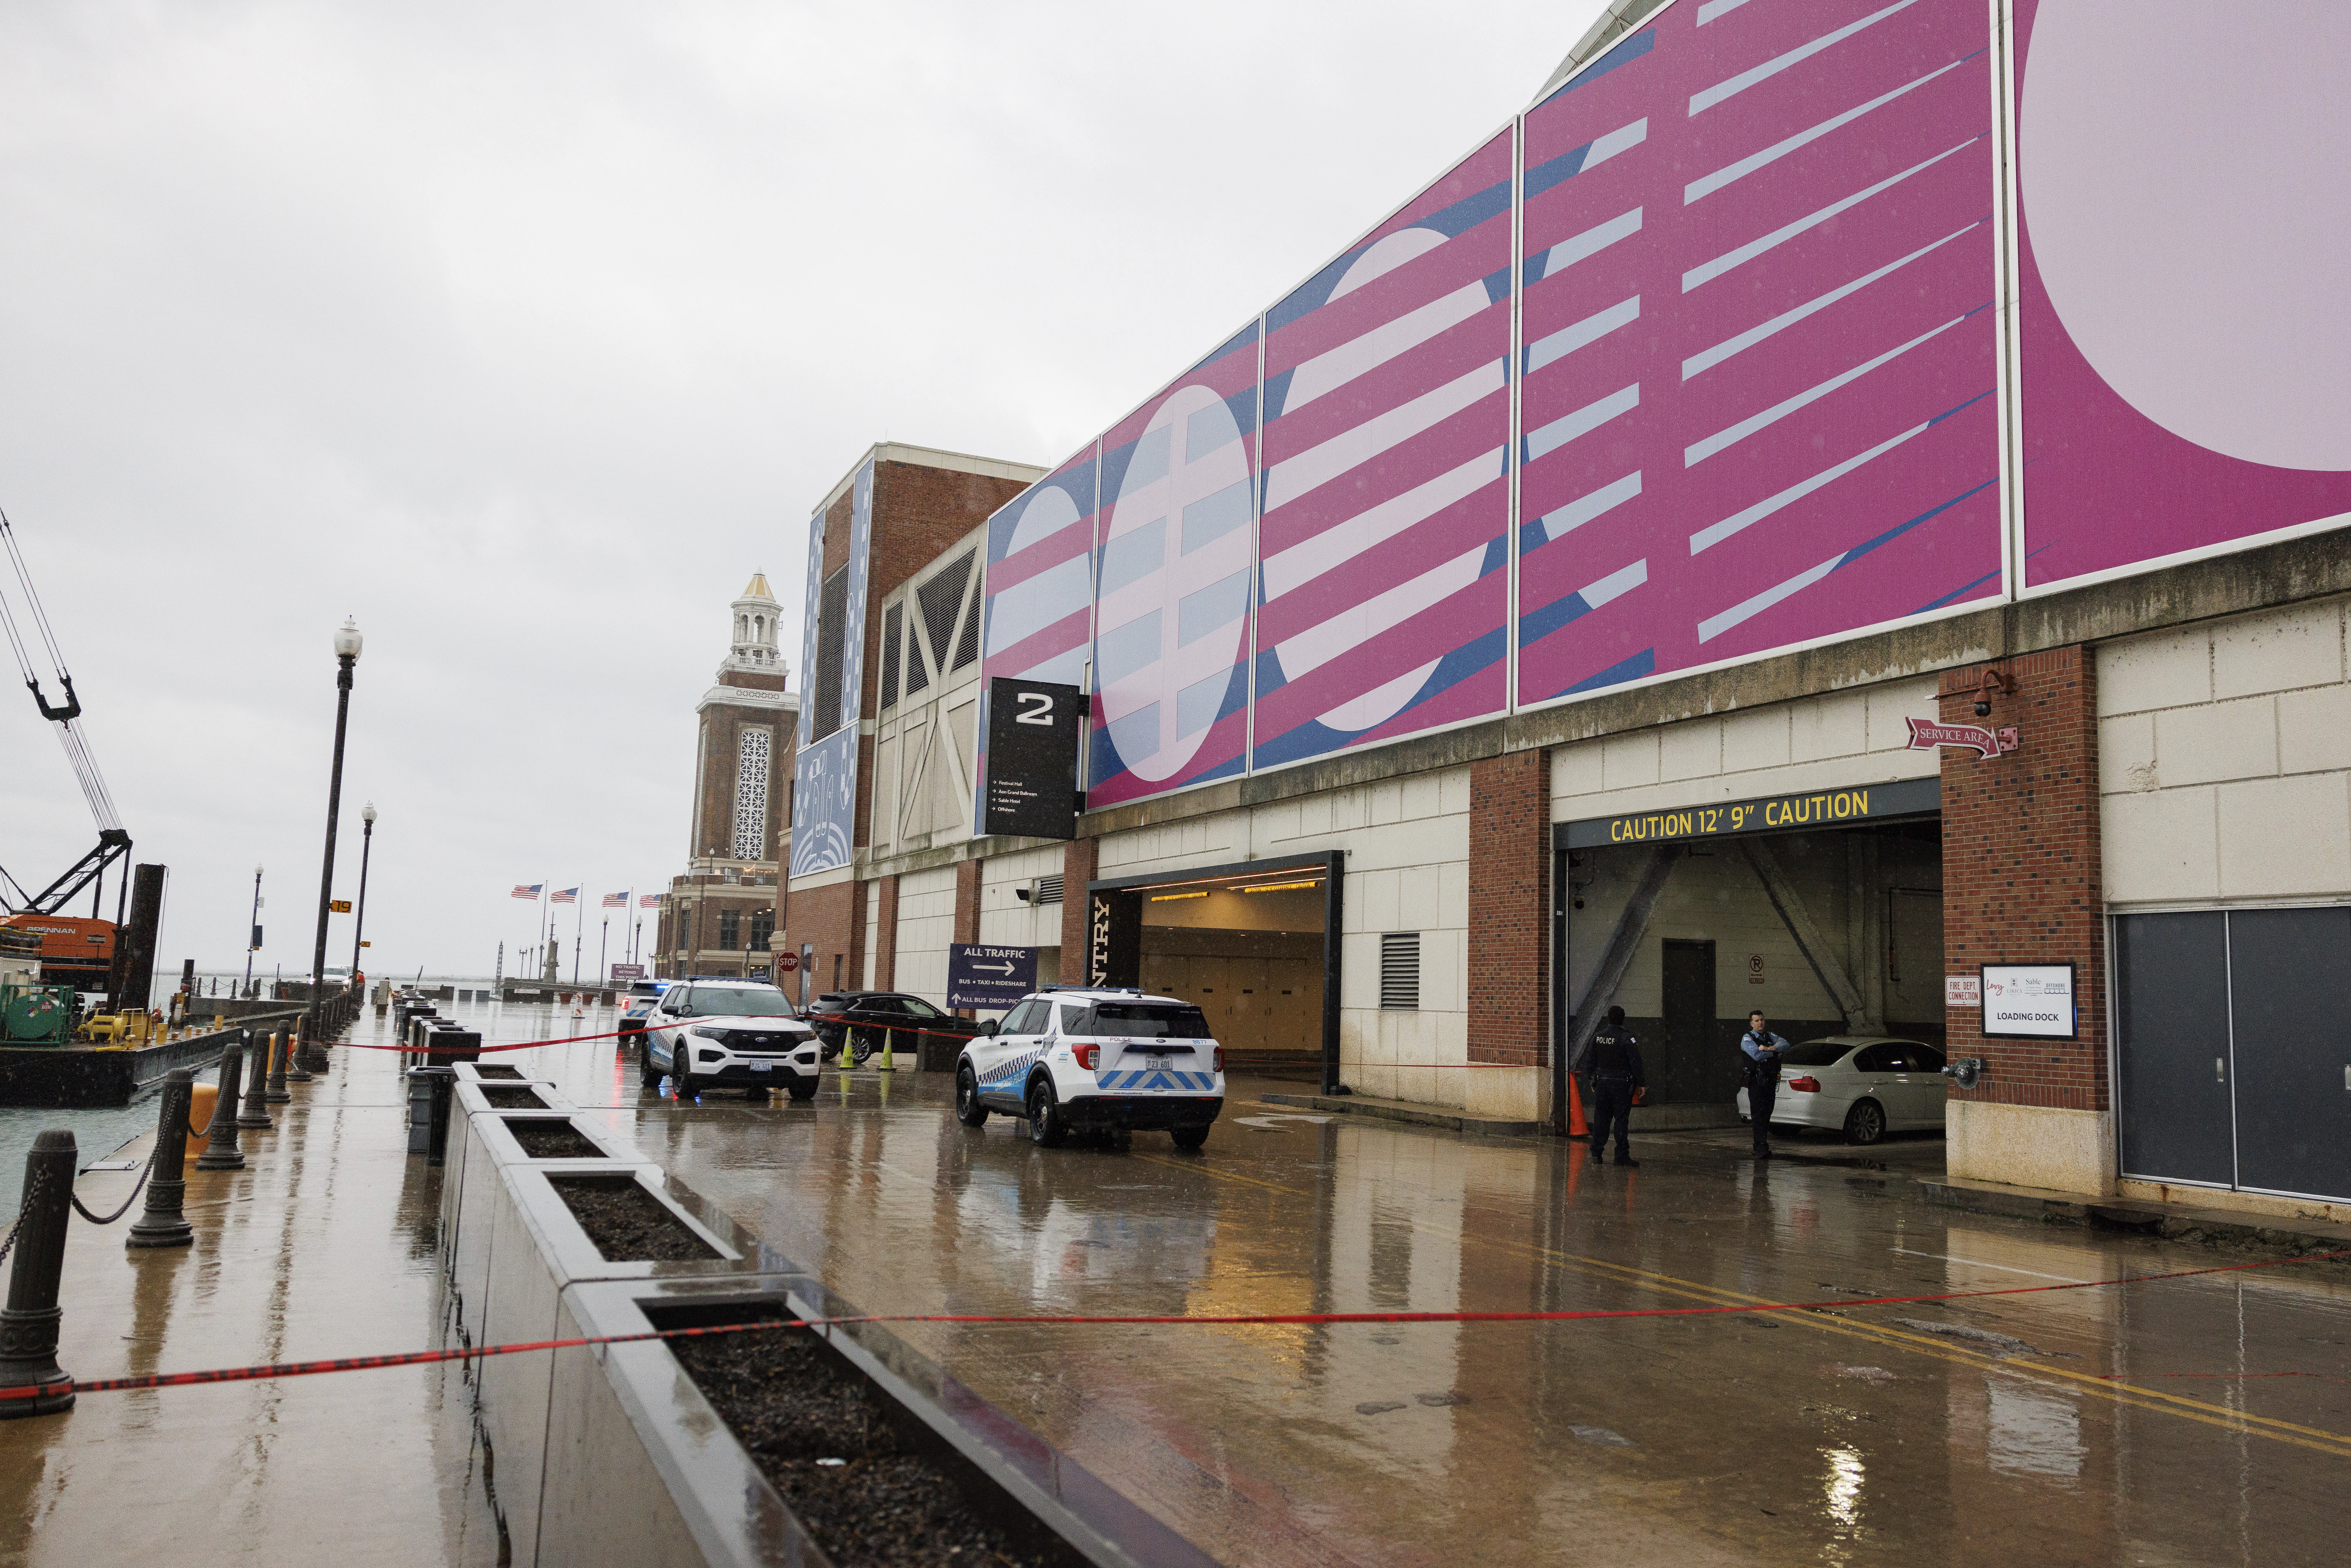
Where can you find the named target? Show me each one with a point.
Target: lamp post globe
(311, 1059)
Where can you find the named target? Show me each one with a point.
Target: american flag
(616, 901)
(527, 889)
(568, 895)
(649, 901)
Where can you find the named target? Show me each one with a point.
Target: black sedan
(864, 1017)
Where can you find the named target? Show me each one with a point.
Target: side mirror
(987, 1026)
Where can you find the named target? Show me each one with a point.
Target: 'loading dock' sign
(1847, 808)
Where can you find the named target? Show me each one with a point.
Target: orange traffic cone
(1576, 1126)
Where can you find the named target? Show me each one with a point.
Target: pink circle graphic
(2185, 192)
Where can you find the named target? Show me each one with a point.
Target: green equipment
(36, 1015)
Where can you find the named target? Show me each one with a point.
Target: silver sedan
(1864, 1085)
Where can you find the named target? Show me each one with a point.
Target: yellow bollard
(888, 1065)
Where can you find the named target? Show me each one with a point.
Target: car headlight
(700, 1033)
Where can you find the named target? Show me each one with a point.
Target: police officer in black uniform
(1760, 1073)
(1612, 1066)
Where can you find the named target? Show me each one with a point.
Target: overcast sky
(525, 334)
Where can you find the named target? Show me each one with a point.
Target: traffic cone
(1576, 1125)
(887, 1064)
(847, 1060)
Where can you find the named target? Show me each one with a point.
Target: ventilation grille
(893, 623)
(1048, 890)
(832, 631)
(967, 652)
(1400, 971)
(941, 597)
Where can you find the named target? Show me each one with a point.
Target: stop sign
(787, 962)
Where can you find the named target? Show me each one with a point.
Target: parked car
(1086, 1060)
(1865, 1085)
(734, 1034)
(638, 1003)
(864, 1017)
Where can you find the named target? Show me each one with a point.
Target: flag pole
(578, 926)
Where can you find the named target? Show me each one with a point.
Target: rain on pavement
(1991, 1428)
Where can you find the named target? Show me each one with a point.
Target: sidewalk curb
(2172, 1222)
(1396, 1111)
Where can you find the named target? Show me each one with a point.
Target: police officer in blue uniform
(1760, 1073)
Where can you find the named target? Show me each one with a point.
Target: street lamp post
(358, 922)
(312, 1058)
(252, 940)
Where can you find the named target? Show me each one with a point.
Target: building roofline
(931, 457)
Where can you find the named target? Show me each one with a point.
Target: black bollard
(28, 1327)
(255, 1112)
(279, 1094)
(162, 1224)
(297, 1062)
(221, 1153)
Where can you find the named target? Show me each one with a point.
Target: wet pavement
(2196, 1420)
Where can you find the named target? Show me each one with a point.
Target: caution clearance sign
(1849, 807)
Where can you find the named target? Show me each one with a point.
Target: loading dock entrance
(1255, 944)
(1823, 909)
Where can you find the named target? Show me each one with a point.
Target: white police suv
(1094, 1058)
(731, 1034)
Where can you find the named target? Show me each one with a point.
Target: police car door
(996, 1055)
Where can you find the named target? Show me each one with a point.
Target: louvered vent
(893, 624)
(1048, 890)
(941, 597)
(832, 632)
(967, 652)
(1400, 971)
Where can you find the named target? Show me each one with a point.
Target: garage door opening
(1254, 945)
(1689, 922)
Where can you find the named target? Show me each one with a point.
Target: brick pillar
(967, 908)
(1509, 874)
(885, 935)
(2023, 884)
(1079, 857)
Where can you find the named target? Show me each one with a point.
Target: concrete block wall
(2224, 754)
(1008, 921)
(926, 909)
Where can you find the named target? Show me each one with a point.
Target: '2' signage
(1033, 759)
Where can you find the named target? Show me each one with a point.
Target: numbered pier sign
(1033, 759)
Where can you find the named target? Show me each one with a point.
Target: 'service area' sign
(980, 976)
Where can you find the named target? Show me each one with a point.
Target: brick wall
(2021, 871)
(967, 908)
(1079, 859)
(885, 935)
(832, 920)
(920, 514)
(713, 805)
(1510, 948)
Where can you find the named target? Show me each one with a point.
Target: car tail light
(1087, 1055)
(1221, 1059)
(1805, 1085)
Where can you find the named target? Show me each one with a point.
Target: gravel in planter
(513, 1100)
(627, 1223)
(554, 1139)
(497, 1070)
(794, 1405)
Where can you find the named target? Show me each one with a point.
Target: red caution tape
(519, 1045)
(422, 1357)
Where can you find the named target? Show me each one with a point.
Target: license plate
(1160, 1061)
(762, 1066)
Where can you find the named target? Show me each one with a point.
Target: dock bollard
(255, 1112)
(162, 1224)
(28, 1327)
(278, 1095)
(298, 1065)
(221, 1153)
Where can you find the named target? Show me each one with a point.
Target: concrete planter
(466, 1258)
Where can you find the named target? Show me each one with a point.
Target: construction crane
(113, 842)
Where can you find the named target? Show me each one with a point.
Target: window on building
(730, 929)
(752, 795)
(892, 629)
(1400, 971)
(832, 632)
(763, 926)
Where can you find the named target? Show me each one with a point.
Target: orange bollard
(1576, 1126)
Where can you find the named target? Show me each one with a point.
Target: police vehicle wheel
(647, 1073)
(1866, 1123)
(968, 1110)
(1046, 1128)
(1189, 1137)
(689, 1087)
(802, 1091)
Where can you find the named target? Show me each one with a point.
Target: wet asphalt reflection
(2205, 1419)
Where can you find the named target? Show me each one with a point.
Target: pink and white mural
(1760, 340)
(1172, 583)
(1384, 587)
(2185, 229)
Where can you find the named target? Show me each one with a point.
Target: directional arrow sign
(991, 977)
